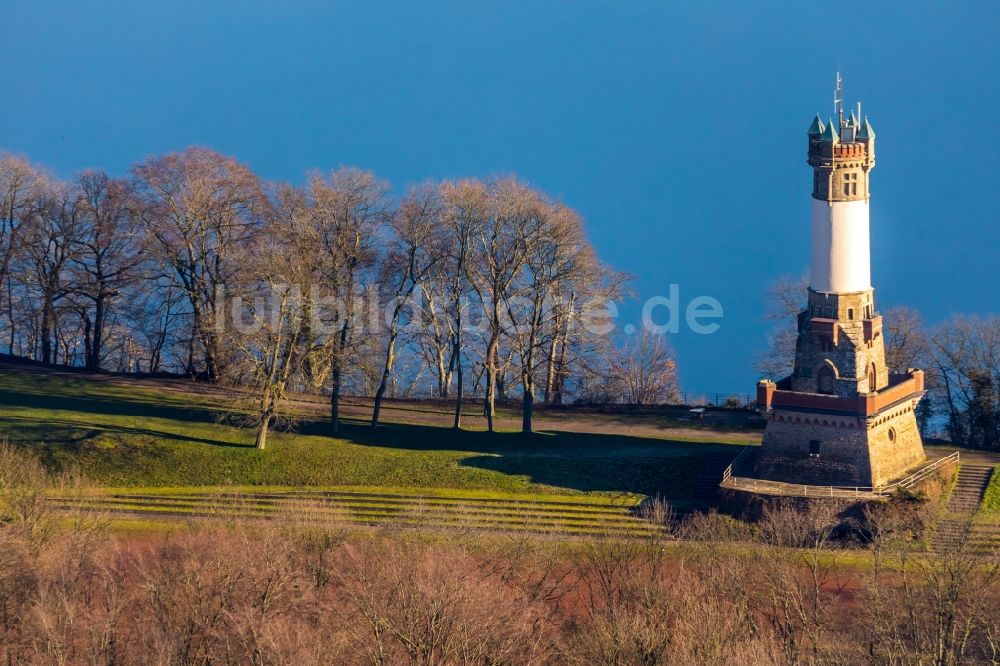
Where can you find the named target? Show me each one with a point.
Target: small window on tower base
(814, 446)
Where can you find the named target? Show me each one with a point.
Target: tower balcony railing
(901, 387)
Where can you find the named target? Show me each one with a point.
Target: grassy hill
(991, 498)
(124, 433)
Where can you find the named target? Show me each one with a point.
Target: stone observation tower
(841, 418)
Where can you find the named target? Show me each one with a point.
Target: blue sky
(676, 128)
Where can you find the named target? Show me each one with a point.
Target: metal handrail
(728, 472)
(910, 481)
(798, 490)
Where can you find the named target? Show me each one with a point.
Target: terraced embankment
(958, 528)
(427, 508)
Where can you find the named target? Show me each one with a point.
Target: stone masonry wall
(842, 331)
(785, 452)
(892, 457)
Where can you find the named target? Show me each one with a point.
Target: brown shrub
(411, 603)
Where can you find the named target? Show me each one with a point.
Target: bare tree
(645, 369)
(579, 350)
(198, 207)
(267, 328)
(52, 238)
(783, 302)
(502, 245)
(21, 184)
(906, 344)
(416, 247)
(794, 593)
(350, 210)
(467, 206)
(557, 256)
(437, 607)
(109, 254)
(435, 339)
(967, 359)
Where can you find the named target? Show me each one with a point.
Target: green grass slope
(991, 498)
(125, 436)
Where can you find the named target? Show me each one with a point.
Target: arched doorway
(825, 379)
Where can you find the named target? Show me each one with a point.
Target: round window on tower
(892, 434)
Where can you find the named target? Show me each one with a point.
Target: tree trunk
(262, 432)
(386, 371)
(490, 399)
(88, 342)
(528, 409)
(335, 400)
(550, 368)
(336, 375)
(46, 331)
(154, 356)
(10, 315)
(97, 335)
(560, 378)
(444, 373)
(449, 374)
(379, 394)
(489, 406)
(210, 341)
(459, 389)
(457, 356)
(195, 333)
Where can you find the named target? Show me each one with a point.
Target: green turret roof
(866, 133)
(817, 126)
(830, 133)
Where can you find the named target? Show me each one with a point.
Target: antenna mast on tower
(838, 101)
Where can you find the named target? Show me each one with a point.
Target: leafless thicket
(644, 371)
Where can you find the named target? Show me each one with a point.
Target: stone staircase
(969, 487)
(954, 529)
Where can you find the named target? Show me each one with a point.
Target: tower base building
(841, 418)
(823, 440)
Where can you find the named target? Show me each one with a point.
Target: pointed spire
(817, 126)
(830, 133)
(854, 121)
(866, 133)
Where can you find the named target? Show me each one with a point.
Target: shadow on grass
(76, 433)
(579, 461)
(110, 405)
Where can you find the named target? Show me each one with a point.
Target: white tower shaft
(841, 255)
